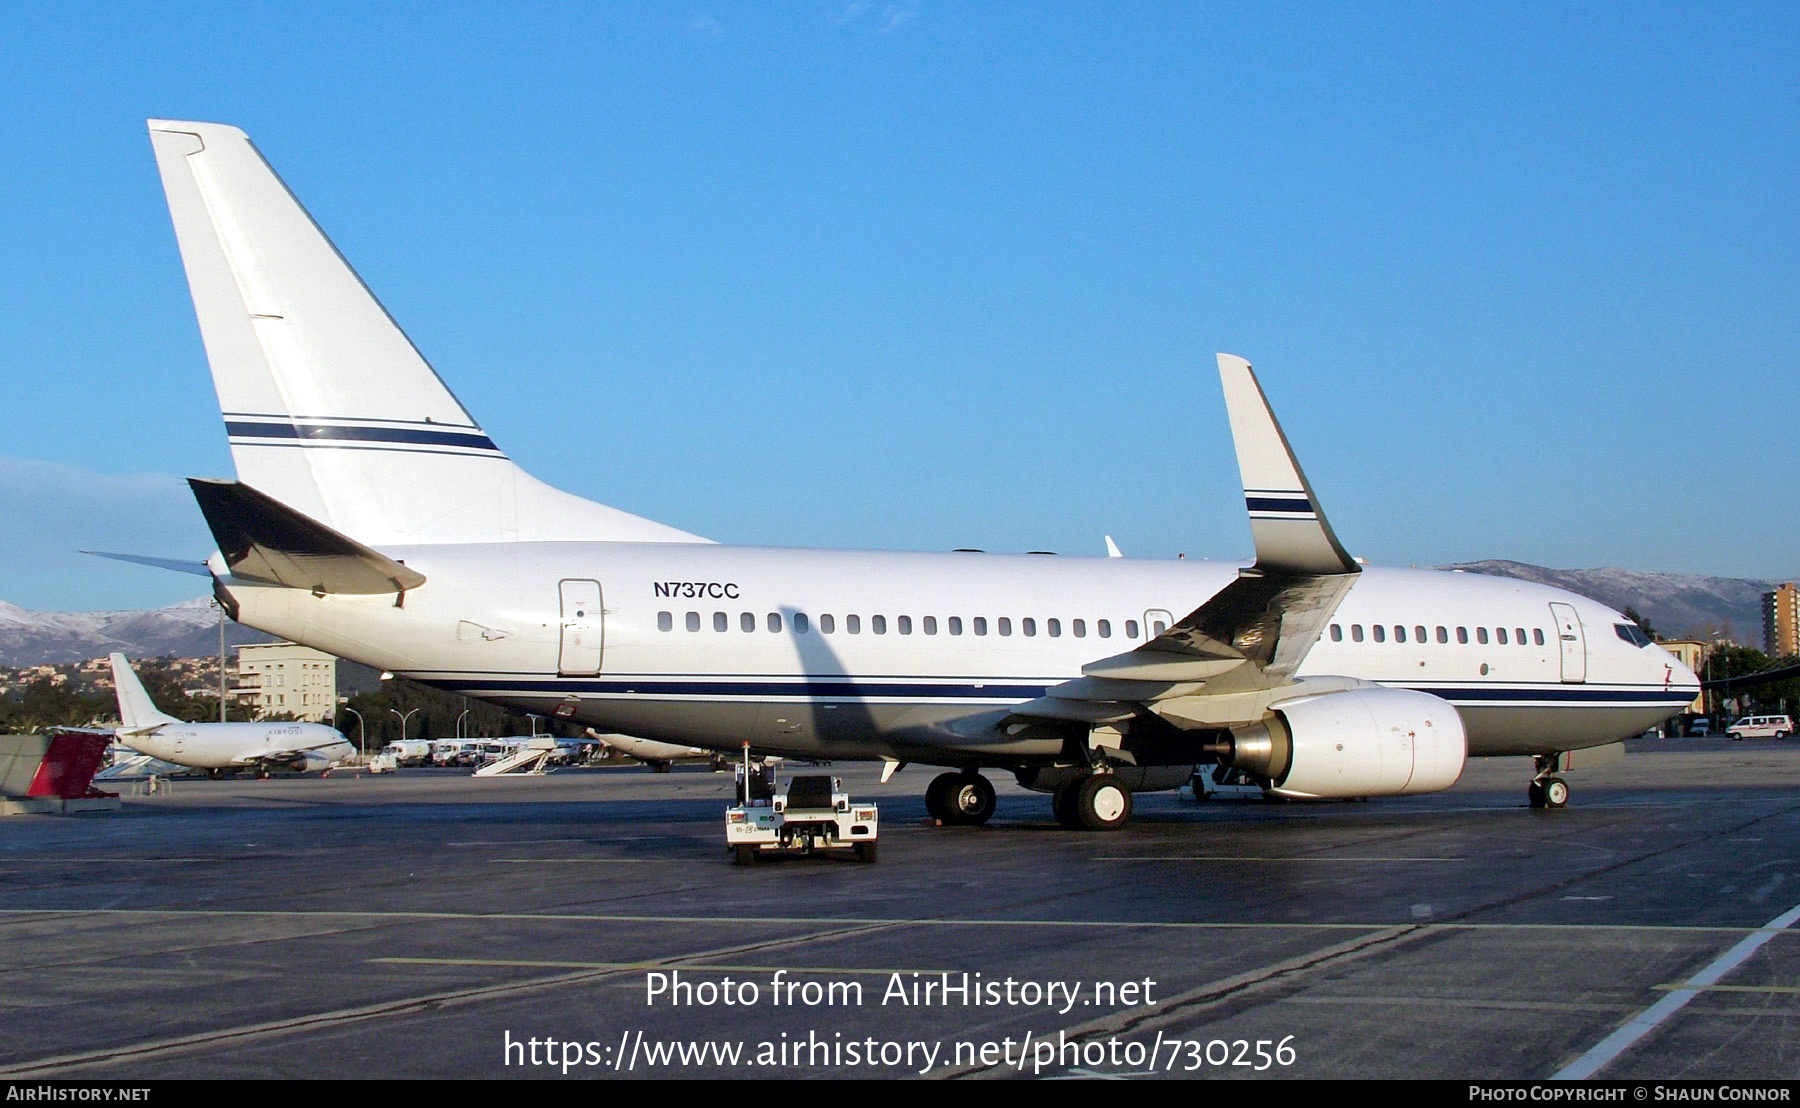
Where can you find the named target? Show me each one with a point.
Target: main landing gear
(1092, 802)
(960, 799)
(1546, 789)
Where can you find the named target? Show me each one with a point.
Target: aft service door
(581, 629)
(1574, 647)
(1156, 621)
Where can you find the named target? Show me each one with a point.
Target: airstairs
(528, 759)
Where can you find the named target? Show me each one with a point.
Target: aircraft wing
(1227, 659)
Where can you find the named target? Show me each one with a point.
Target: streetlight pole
(404, 719)
(362, 736)
(221, 609)
(459, 722)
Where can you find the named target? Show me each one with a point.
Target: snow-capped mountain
(186, 630)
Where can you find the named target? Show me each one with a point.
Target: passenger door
(1574, 647)
(582, 629)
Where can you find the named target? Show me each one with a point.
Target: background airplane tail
(329, 407)
(136, 710)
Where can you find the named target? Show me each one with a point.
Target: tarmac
(590, 923)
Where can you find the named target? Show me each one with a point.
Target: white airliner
(218, 747)
(373, 518)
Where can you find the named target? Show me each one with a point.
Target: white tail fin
(136, 710)
(329, 407)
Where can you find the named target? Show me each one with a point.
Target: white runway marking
(1647, 1020)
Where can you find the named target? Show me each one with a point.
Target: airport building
(284, 678)
(1781, 628)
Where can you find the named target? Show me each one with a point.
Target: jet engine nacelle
(1360, 742)
(310, 761)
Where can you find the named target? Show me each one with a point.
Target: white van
(1761, 727)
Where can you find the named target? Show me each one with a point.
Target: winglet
(1290, 529)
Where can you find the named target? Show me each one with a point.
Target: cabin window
(1004, 625)
(774, 622)
(1337, 633)
(930, 625)
(1399, 632)
(1028, 627)
(827, 623)
(903, 624)
(665, 621)
(747, 621)
(1500, 635)
(1079, 626)
(721, 621)
(853, 624)
(878, 624)
(1131, 629)
(1537, 635)
(979, 625)
(1104, 627)
(1419, 634)
(1380, 632)
(693, 621)
(1519, 635)
(1462, 635)
(801, 624)
(955, 625)
(1356, 634)
(1158, 627)
(1054, 626)
(1481, 635)
(1443, 634)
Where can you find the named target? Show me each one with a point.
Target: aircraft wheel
(865, 852)
(940, 796)
(1062, 803)
(216, 774)
(660, 766)
(971, 800)
(1101, 803)
(1556, 792)
(743, 855)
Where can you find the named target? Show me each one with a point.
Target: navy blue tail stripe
(1271, 504)
(326, 432)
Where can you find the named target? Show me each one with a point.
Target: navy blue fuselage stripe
(653, 687)
(745, 688)
(1269, 504)
(325, 432)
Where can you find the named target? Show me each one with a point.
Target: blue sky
(1521, 280)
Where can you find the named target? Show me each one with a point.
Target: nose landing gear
(1546, 789)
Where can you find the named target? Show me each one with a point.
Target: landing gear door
(581, 629)
(1574, 647)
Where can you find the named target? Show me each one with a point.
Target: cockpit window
(1632, 634)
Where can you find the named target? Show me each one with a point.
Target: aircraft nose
(1677, 675)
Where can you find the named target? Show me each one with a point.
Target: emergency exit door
(581, 629)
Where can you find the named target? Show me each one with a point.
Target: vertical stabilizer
(330, 408)
(136, 710)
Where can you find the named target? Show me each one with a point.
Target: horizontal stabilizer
(263, 539)
(179, 565)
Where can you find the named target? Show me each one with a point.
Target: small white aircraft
(660, 757)
(220, 747)
(374, 519)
